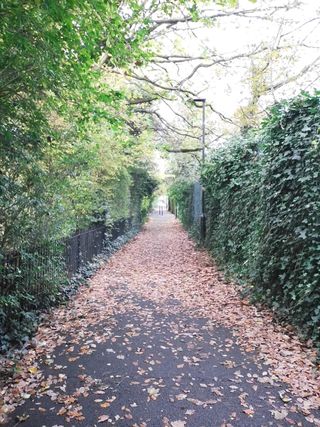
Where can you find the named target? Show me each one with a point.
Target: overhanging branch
(183, 150)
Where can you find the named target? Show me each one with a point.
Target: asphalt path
(143, 366)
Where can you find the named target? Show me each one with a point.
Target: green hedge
(180, 196)
(232, 198)
(34, 278)
(142, 191)
(263, 211)
(288, 261)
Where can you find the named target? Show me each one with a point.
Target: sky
(243, 35)
(227, 86)
(294, 31)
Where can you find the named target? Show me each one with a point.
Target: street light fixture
(197, 101)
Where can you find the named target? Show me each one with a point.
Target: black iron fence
(33, 270)
(37, 269)
(83, 247)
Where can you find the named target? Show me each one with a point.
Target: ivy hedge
(263, 211)
(180, 200)
(232, 205)
(288, 259)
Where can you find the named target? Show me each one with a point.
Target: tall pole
(203, 136)
(203, 129)
(203, 216)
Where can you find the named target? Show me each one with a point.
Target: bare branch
(293, 78)
(153, 83)
(220, 61)
(176, 61)
(299, 27)
(183, 150)
(172, 57)
(221, 115)
(247, 13)
(141, 101)
(182, 117)
(166, 124)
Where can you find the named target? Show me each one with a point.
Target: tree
(52, 98)
(71, 69)
(278, 59)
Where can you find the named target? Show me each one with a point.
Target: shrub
(288, 262)
(180, 195)
(263, 210)
(232, 193)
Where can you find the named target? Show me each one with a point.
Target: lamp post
(202, 101)
(197, 101)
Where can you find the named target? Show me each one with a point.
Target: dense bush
(142, 190)
(30, 281)
(263, 210)
(180, 196)
(232, 195)
(68, 157)
(288, 260)
(36, 277)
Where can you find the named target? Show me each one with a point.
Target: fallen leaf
(181, 396)
(249, 412)
(22, 418)
(279, 415)
(103, 418)
(178, 423)
(153, 393)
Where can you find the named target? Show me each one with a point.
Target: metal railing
(35, 270)
(82, 247)
(32, 270)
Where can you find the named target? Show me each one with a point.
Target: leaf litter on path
(164, 266)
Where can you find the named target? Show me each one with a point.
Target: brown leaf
(103, 418)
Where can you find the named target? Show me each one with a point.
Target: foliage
(180, 195)
(231, 181)
(288, 262)
(262, 208)
(66, 151)
(30, 281)
(70, 152)
(50, 95)
(142, 189)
